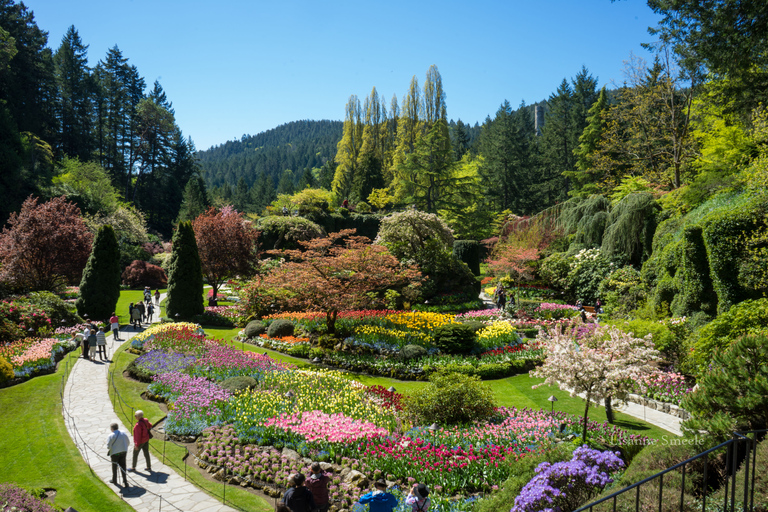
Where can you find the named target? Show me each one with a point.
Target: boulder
(291, 454)
(356, 478)
(327, 467)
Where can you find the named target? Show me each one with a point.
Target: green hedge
(468, 251)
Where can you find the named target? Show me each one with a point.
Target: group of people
(311, 495)
(143, 311)
(117, 447)
(592, 317)
(93, 340)
(500, 297)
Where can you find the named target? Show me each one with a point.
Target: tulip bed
(326, 416)
(32, 356)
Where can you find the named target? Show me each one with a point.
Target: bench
(589, 309)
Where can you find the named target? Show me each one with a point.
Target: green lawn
(38, 451)
(128, 296)
(510, 392)
(130, 393)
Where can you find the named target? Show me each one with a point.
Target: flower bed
(664, 386)
(33, 356)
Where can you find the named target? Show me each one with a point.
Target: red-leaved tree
(341, 272)
(44, 245)
(226, 244)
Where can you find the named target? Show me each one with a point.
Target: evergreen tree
(100, 284)
(285, 185)
(74, 106)
(459, 140)
(195, 200)
(241, 198)
(307, 179)
(185, 276)
(584, 178)
(263, 192)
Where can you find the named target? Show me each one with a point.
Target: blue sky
(238, 67)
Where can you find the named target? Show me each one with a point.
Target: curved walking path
(88, 412)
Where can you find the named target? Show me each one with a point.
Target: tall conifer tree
(185, 276)
(100, 284)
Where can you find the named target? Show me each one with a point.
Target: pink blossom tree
(603, 363)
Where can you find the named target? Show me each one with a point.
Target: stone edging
(666, 408)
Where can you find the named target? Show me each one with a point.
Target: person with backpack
(150, 312)
(317, 483)
(418, 498)
(298, 498)
(141, 436)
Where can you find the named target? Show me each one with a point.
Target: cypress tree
(185, 276)
(100, 284)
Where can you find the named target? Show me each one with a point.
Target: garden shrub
(54, 306)
(140, 274)
(280, 328)
(554, 270)
(6, 370)
(9, 331)
(760, 479)
(454, 338)
(100, 283)
(694, 285)
(14, 498)
(450, 399)
(525, 470)
(630, 228)
(300, 350)
(663, 338)
(254, 328)
(468, 251)
(622, 291)
(527, 308)
(529, 333)
(280, 232)
(185, 277)
(589, 267)
(412, 236)
(475, 325)
(364, 225)
(748, 317)
(238, 384)
(412, 352)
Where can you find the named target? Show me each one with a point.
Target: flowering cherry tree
(602, 363)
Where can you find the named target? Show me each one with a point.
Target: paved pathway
(88, 412)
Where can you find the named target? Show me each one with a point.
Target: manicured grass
(510, 392)
(128, 296)
(37, 450)
(130, 400)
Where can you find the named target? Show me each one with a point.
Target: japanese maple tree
(341, 272)
(44, 245)
(601, 363)
(226, 244)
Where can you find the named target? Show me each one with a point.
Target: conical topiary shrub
(100, 284)
(185, 276)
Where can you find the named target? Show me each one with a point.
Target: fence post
(746, 476)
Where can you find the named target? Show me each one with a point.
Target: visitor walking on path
(150, 312)
(379, 500)
(317, 483)
(114, 323)
(117, 449)
(92, 341)
(141, 437)
(157, 297)
(84, 341)
(101, 344)
(142, 310)
(298, 498)
(136, 317)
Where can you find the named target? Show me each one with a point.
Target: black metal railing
(721, 479)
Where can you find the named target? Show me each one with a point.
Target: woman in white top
(86, 335)
(101, 344)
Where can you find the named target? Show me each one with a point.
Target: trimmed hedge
(280, 328)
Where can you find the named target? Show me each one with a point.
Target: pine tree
(195, 200)
(100, 284)
(583, 178)
(185, 276)
(74, 106)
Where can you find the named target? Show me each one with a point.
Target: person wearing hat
(417, 498)
(298, 498)
(379, 500)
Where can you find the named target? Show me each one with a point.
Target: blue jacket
(379, 501)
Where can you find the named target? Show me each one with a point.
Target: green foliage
(758, 481)
(86, 184)
(414, 236)
(576, 210)
(254, 328)
(475, 325)
(733, 395)
(278, 232)
(693, 282)
(450, 399)
(588, 269)
(412, 352)
(554, 270)
(663, 338)
(185, 280)
(748, 317)
(454, 338)
(468, 251)
(622, 291)
(364, 225)
(280, 328)
(630, 228)
(100, 284)
(238, 384)
(6, 370)
(525, 470)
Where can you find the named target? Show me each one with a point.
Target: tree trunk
(330, 321)
(609, 410)
(586, 412)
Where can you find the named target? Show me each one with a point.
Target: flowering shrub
(481, 315)
(25, 316)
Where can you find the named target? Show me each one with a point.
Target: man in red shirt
(141, 440)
